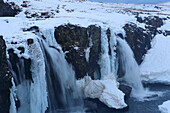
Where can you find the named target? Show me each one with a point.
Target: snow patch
(155, 67)
(165, 107)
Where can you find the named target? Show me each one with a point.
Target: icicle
(104, 57)
(113, 43)
(12, 98)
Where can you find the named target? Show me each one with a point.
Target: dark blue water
(133, 1)
(134, 106)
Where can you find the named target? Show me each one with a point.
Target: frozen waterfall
(51, 87)
(63, 96)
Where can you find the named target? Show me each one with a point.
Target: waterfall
(108, 55)
(105, 66)
(28, 94)
(62, 91)
(47, 84)
(63, 95)
(129, 67)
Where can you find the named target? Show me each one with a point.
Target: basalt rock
(5, 79)
(138, 39)
(6, 9)
(74, 41)
(20, 66)
(126, 90)
(154, 21)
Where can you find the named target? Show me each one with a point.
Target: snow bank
(156, 66)
(105, 90)
(165, 107)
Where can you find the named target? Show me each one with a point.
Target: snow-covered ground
(156, 64)
(165, 107)
(46, 14)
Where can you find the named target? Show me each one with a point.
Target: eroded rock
(6, 9)
(74, 41)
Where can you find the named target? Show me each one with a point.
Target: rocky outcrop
(5, 79)
(20, 67)
(139, 39)
(154, 21)
(81, 46)
(6, 9)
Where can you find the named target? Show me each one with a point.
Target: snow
(165, 107)
(105, 90)
(106, 15)
(156, 66)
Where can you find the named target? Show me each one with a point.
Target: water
(135, 106)
(62, 92)
(52, 86)
(107, 55)
(104, 62)
(63, 95)
(133, 1)
(130, 68)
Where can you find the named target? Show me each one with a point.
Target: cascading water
(107, 61)
(129, 67)
(63, 95)
(50, 86)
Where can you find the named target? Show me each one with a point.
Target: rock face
(20, 66)
(82, 47)
(6, 10)
(139, 39)
(5, 79)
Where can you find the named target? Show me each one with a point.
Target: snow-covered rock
(105, 90)
(165, 107)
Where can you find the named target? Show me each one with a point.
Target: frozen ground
(156, 64)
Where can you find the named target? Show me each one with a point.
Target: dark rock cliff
(139, 39)
(74, 40)
(5, 79)
(20, 67)
(6, 9)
